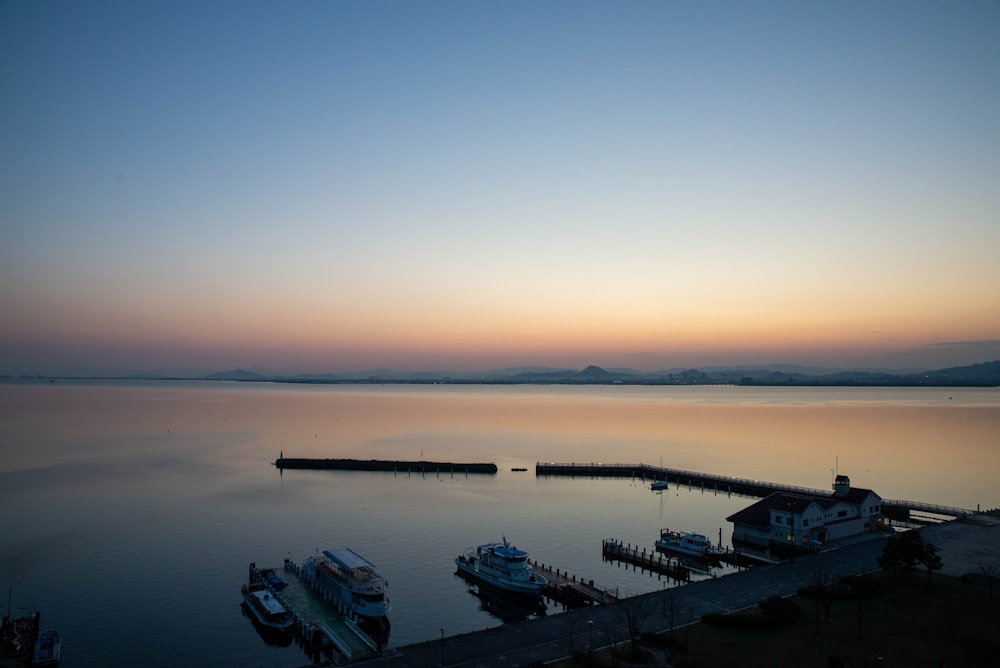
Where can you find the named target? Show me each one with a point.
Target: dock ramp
(349, 640)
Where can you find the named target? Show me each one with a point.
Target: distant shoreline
(986, 374)
(813, 382)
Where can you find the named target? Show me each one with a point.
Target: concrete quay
(963, 545)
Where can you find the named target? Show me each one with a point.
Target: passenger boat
(351, 581)
(48, 648)
(687, 543)
(266, 608)
(502, 566)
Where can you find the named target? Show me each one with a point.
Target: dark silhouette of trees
(635, 611)
(862, 606)
(904, 551)
(930, 559)
(671, 607)
(991, 571)
(820, 587)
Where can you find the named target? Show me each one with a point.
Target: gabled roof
(856, 495)
(759, 514)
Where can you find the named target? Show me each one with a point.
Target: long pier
(382, 465)
(895, 509)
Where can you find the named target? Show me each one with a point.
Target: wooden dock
(649, 560)
(569, 590)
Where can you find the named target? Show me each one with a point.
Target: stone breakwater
(383, 465)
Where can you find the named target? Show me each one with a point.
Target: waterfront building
(804, 521)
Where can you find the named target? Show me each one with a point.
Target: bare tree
(991, 570)
(611, 640)
(570, 626)
(862, 606)
(671, 606)
(635, 611)
(820, 587)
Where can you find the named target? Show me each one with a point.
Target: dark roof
(856, 495)
(759, 514)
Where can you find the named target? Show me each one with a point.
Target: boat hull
(278, 619)
(525, 588)
(48, 649)
(685, 553)
(687, 544)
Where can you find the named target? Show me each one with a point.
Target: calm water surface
(130, 511)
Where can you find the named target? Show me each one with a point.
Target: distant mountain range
(986, 374)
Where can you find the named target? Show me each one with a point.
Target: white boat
(687, 543)
(48, 648)
(658, 484)
(266, 608)
(351, 581)
(502, 566)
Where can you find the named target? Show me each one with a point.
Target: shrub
(771, 614)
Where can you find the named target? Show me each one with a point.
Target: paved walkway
(963, 545)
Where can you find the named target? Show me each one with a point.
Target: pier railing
(729, 484)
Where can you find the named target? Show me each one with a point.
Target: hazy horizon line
(264, 372)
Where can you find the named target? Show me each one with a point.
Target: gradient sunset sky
(448, 186)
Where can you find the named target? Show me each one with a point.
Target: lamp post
(590, 636)
(10, 591)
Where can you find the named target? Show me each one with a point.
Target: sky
(340, 186)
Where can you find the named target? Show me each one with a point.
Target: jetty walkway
(962, 545)
(569, 590)
(894, 509)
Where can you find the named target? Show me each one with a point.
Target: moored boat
(48, 648)
(351, 581)
(502, 566)
(687, 543)
(658, 484)
(266, 608)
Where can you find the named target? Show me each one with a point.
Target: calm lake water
(131, 510)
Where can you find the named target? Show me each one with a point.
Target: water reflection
(270, 636)
(506, 607)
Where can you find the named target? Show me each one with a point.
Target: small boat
(266, 608)
(687, 543)
(48, 648)
(274, 581)
(658, 484)
(502, 566)
(519, 468)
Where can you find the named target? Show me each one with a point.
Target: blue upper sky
(341, 185)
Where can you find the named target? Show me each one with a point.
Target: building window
(842, 513)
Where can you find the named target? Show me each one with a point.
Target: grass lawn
(907, 623)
